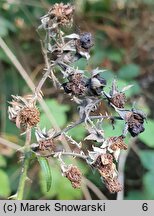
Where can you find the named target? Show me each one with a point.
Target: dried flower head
(135, 121)
(45, 139)
(59, 15)
(74, 175)
(104, 164)
(24, 112)
(117, 143)
(118, 99)
(113, 185)
(75, 85)
(115, 97)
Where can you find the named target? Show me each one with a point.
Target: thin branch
(67, 154)
(95, 189)
(82, 121)
(121, 167)
(86, 192)
(28, 138)
(47, 73)
(9, 144)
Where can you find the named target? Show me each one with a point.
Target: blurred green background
(124, 45)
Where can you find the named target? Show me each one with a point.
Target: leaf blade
(44, 164)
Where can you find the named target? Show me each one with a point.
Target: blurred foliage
(123, 35)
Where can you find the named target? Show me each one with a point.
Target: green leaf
(114, 55)
(147, 135)
(109, 131)
(148, 185)
(108, 75)
(58, 111)
(77, 133)
(129, 71)
(4, 184)
(6, 25)
(46, 171)
(81, 63)
(97, 58)
(2, 161)
(147, 158)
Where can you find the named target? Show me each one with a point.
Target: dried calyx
(96, 83)
(79, 84)
(116, 97)
(23, 112)
(104, 160)
(45, 139)
(58, 15)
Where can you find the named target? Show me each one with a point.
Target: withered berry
(76, 84)
(86, 41)
(135, 123)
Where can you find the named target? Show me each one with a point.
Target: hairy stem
(25, 165)
(22, 180)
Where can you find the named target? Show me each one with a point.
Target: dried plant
(60, 52)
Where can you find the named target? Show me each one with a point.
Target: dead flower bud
(83, 45)
(74, 175)
(118, 100)
(96, 83)
(135, 121)
(117, 143)
(103, 159)
(113, 185)
(116, 97)
(23, 112)
(59, 14)
(45, 139)
(106, 167)
(75, 85)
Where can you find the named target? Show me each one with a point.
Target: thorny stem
(85, 157)
(42, 81)
(67, 154)
(25, 165)
(82, 121)
(23, 177)
(47, 73)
